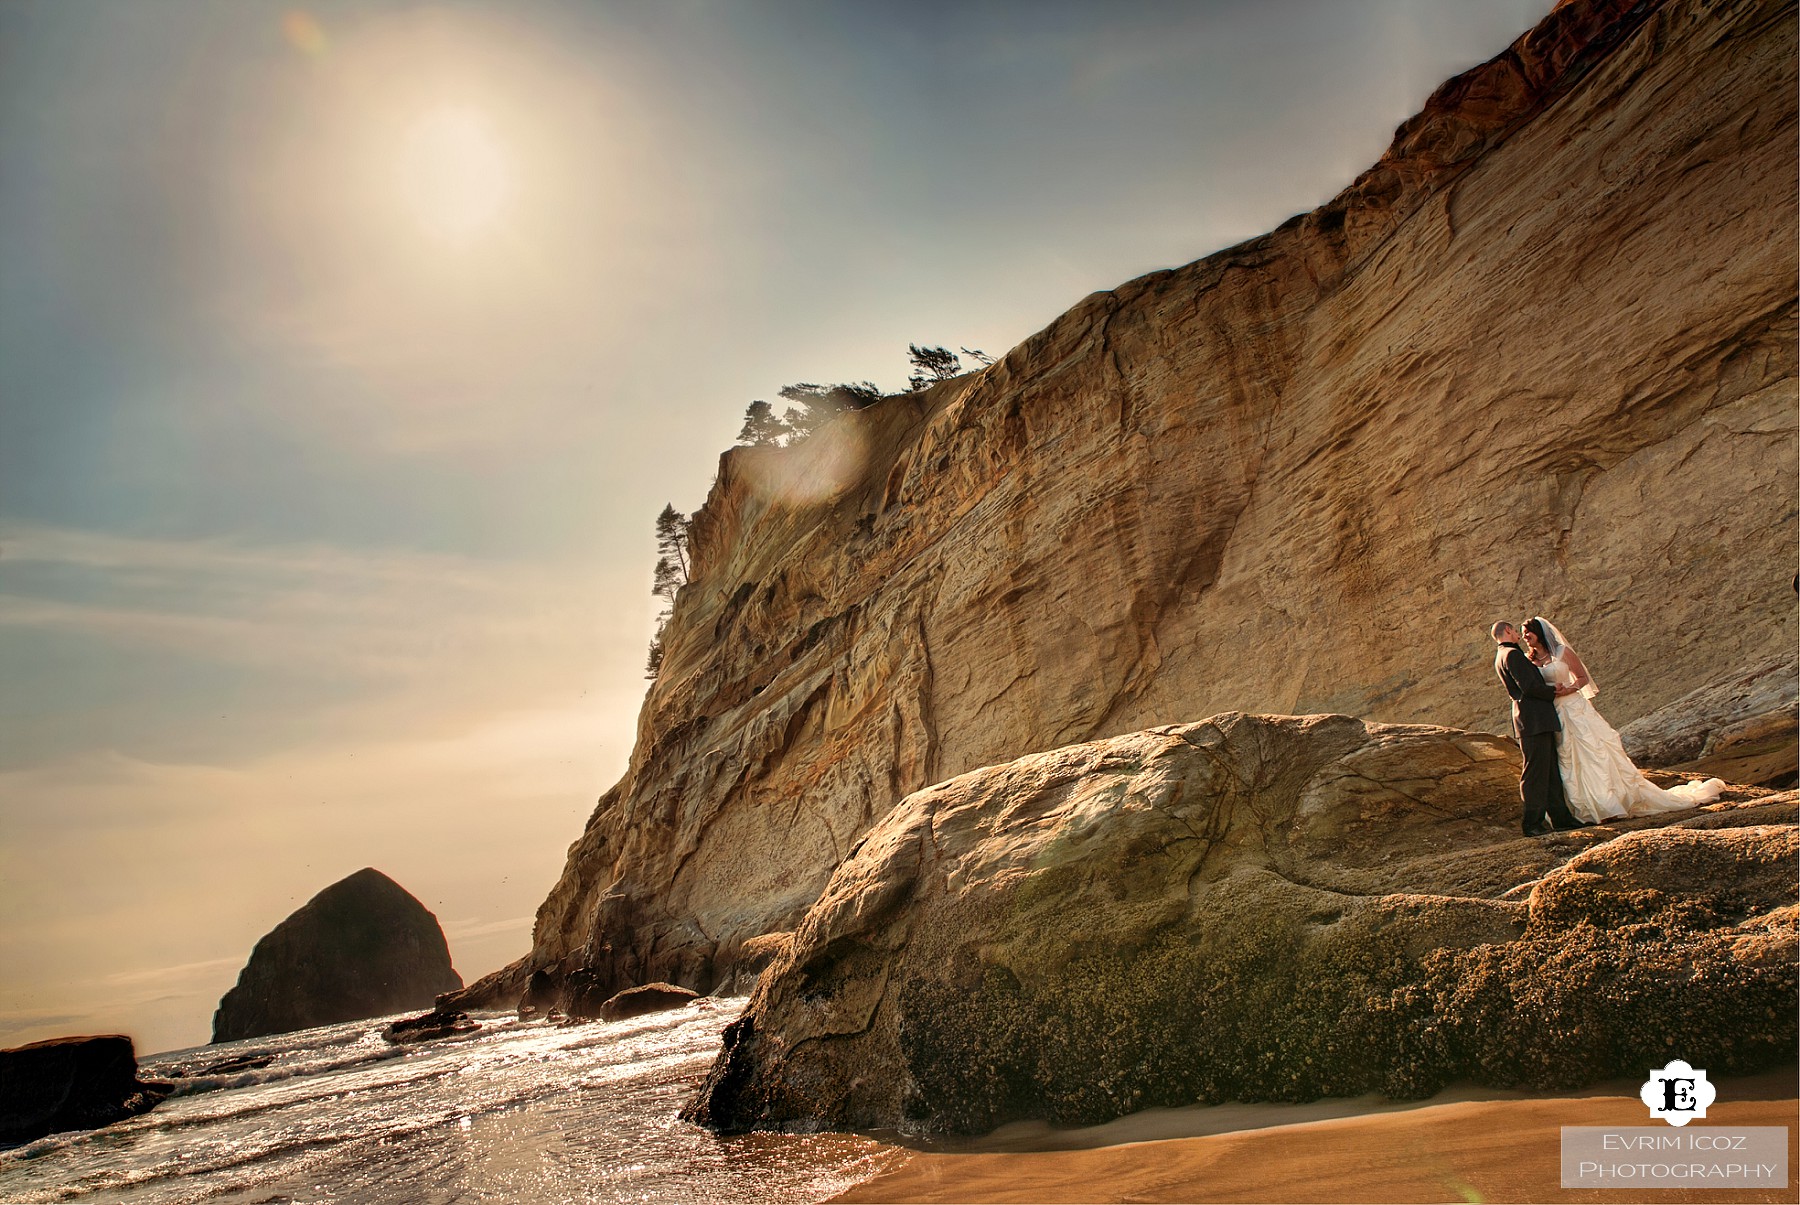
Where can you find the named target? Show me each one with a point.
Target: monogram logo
(1677, 1093)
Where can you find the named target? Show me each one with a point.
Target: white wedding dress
(1598, 778)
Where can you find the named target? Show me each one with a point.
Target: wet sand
(1460, 1146)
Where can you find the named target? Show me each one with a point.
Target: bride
(1598, 778)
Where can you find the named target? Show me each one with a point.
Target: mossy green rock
(1260, 908)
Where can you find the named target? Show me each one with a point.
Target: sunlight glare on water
(519, 1112)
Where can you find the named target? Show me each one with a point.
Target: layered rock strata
(363, 947)
(1741, 727)
(1260, 908)
(1538, 359)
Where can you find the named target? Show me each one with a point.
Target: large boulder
(1260, 908)
(648, 998)
(71, 1084)
(363, 947)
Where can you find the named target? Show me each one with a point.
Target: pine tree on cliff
(653, 666)
(670, 576)
(930, 365)
(761, 428)
(671, 547)
(819, 403)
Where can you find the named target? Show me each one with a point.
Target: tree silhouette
(930, 365)
(670, 576)
(818, 404)
(761, 428)
(653, 664)
(672, 544)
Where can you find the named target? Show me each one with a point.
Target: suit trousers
(1541, 786)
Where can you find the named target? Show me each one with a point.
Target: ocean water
(517, 1112)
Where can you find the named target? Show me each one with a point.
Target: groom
(1535, 723)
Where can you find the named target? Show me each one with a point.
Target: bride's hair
(1557, 645)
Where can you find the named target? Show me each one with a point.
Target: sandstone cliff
(1260, 908)
(1538, 359)
(363, 947)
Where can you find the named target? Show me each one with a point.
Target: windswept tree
(761, 428)
(671, 575)
(977, 355)
(931, 365)
(814, 405)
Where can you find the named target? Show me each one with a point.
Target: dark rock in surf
(649, 998)
(74, 1083)
(363, 947)
(246, 1062)
(430, 1026)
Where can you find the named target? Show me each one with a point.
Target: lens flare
(816, 470)
(303, 32)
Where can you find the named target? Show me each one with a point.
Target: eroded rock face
(1539, 359)
(1742, 728)
(363, 947)
(1259, 908)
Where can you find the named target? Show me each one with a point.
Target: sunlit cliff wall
(1538, 359)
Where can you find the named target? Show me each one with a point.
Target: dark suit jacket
(1534, 700)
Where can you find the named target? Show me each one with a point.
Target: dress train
(1599, 779)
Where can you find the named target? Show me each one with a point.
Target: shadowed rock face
(1538, 359)
(1259, 908)
(363, 947)
(71, 1084)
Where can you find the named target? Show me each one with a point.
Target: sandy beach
(1465, 1146)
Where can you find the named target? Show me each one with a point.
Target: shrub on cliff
(814, 405)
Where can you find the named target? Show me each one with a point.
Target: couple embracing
(1576, 769)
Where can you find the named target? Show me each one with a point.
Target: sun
(455, 175)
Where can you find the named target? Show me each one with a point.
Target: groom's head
(1504, 633)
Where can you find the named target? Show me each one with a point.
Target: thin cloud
(162, 975)
(311, 610)
(466, 929)
(28, 544)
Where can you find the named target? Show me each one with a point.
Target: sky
(349, 350)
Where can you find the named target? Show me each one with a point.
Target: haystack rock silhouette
(363, 947)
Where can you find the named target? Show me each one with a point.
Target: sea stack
(363, 947)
